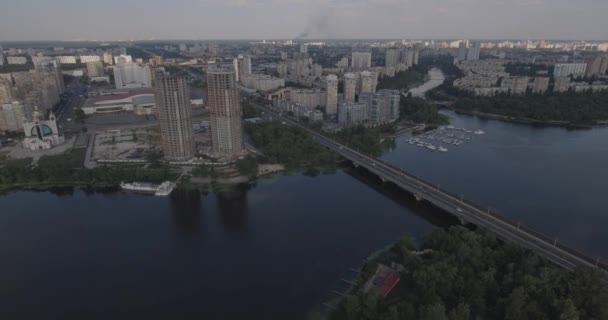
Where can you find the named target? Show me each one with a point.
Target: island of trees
(460, 274)
(588, 108)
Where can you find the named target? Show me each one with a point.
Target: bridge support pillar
(382, 178)
(356, 164)
(418, 197)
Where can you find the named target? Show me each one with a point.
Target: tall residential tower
(175, 117)
(224, 112)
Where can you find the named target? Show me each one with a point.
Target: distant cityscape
(332, 83)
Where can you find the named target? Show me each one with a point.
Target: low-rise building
(262, 82)
(141, 102)
(569, 69)
(41, 134)
(16, 60)
(66, 59)
(87, 59)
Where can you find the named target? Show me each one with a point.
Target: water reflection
(233, 207)
(185, 208)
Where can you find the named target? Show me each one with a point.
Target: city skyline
(336, 19)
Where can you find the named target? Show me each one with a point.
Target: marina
(438, 139)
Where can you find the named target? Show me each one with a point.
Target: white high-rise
(367, 82)
(332, 94)
(95, 69)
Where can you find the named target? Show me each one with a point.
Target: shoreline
(528, 121)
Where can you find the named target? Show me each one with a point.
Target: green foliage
(574, 108)
(68, 168)
(472, 275)
(248, 167)
(402, 80)
(420, 111)
(249, 111)
(370, 141)
(289, 145)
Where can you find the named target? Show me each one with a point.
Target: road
(467, 211)
(74, 95)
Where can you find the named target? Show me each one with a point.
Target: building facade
(175, 117)
(131, 76)
(569, 69)
(95, 69)
(224, 112)
(41, 134)
(361, 60)
(331, 105)
(350, 87)
(352, 113)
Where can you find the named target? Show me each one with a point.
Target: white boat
(442, 149)
(163, 189)
(450, 127)
(431, 147)
(479, 132)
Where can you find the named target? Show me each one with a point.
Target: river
(275, 249)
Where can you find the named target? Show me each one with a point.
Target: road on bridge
(467, 211)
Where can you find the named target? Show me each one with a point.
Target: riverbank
(529, 121)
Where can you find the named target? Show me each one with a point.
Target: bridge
(466, 211)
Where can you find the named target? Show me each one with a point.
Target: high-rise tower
(224, 112)
(175, 117)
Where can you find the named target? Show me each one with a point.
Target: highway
(466, 211)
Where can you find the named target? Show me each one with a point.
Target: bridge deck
(467, 211)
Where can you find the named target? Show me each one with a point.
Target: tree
(434, 311)
(514, 309)
(569, 311)
(461, 312)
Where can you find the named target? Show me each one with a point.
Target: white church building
(41, 134)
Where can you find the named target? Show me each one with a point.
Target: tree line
(472, 275)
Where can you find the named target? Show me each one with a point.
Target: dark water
(274, 250)
(549, 178)
(269, 252)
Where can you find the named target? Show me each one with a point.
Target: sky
(26, 20)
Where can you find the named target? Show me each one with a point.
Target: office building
(131, 76)
(350, 87)
(303, 48)
(108, 58)
(175, 117)
(569, 69)
(224, 112)
(361, 60)
(95, 69)
(331, 105)
(1, 58)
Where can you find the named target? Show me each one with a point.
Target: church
(41, 134)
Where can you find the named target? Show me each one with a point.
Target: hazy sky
(266, 19)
